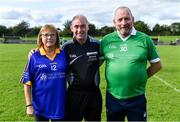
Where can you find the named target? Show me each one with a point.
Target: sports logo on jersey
(43, 77)
(111, 46)
(72, 55)
(42, 66)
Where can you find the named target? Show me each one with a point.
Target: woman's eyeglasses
(46, 35)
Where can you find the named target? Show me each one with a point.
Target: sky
(98, 12)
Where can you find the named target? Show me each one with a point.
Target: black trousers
(83, 104)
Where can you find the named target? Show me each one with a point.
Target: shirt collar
(133, 32)
(43, 52)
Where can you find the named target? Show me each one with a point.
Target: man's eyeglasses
(46, 35)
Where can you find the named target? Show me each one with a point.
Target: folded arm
(153, 68)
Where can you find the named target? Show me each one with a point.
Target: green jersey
(126, 63)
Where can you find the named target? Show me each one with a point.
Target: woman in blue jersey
(44, 77)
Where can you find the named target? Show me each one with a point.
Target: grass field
(167, 39)
(162, 100)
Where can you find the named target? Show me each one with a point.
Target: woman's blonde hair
(44, 28)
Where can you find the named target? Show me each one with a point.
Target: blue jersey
(47, 77)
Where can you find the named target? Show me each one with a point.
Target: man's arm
(153, 68)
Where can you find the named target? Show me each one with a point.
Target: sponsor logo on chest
(92, 56)
(121, 47)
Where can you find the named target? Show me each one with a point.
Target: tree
(66, 31)
(141, 26)
(175, 28)
(165, 30)
(33, 31)
(161, 30)
(157, 30)
(3, 30)
(105, 30)
(21, 29)
(92, 30)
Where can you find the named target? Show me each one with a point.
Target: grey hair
(80, 16)
(123, 8)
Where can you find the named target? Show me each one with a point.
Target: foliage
(105, 30)
(33, 31)
(157, 29)
(3, 30)
(66, 31)
(161, 30)
(92, 30)
(23, 29)
(175, 28)
(141, 26)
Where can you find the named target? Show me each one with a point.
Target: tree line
(23, 29)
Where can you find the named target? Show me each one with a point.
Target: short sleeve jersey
(126, 63)
(48, 83)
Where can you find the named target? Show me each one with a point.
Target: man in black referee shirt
(84, 98)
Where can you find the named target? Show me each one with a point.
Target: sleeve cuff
(154, 60)
(28, 83)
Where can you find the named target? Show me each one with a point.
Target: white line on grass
(166, 83)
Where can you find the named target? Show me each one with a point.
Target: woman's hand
(30, 111)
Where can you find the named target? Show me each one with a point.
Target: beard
(124, 31)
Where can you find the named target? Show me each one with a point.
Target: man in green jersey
(126, 52)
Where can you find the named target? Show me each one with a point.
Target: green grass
(12, 61)
(166, 39)
(162, 101)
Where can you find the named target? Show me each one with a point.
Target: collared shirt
(126, 63)
(132, 32)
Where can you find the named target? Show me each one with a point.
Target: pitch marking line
(166, 83)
